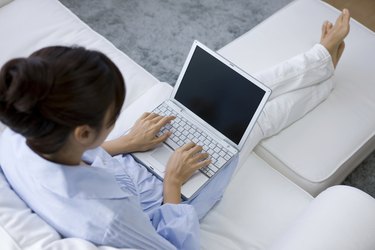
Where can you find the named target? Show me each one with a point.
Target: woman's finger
(156, 118)
(162, 138)
(201, 156)
(164, 120)
(195, 149)
(151, 116)
(144, 115)
(187, 146)
(202, 164)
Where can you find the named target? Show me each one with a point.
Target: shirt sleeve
(131, 227)
(179, 224)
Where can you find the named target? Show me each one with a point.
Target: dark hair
(45, 96)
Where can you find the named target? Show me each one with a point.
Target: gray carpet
(157, 34)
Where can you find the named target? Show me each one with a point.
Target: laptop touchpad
(162, 155)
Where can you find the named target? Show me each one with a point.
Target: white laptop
(216, 105)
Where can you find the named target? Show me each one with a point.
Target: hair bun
(24, 84)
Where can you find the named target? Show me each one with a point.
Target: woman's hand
(181, 166)
(142, 135)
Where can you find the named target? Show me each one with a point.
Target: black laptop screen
(219, 95)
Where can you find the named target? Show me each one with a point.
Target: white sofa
(270, 202)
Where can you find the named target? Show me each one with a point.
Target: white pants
(298, 85)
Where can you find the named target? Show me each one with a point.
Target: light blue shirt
(114, 201)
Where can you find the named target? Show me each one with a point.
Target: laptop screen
(219, 95)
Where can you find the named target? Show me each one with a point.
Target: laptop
(216, 105)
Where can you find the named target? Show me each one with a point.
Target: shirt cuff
(179, 224)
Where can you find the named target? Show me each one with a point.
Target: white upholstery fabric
(327, 144)
(31, 25)
(258, 206)
(347, 214)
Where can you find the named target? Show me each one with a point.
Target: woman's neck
(66, 155)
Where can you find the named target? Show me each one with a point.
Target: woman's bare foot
(333, 36)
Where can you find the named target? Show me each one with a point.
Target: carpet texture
(157, 34)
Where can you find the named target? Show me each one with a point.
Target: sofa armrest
(341, 217)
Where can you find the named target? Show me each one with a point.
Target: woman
(61, 103)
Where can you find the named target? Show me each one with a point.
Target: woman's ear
(84, 135)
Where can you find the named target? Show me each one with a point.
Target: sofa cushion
(24, 227)
(328, 143)
(31, 25)
(257, 207)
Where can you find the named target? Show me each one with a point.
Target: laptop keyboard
(184, 131)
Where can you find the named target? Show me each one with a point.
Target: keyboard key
(220, 162)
